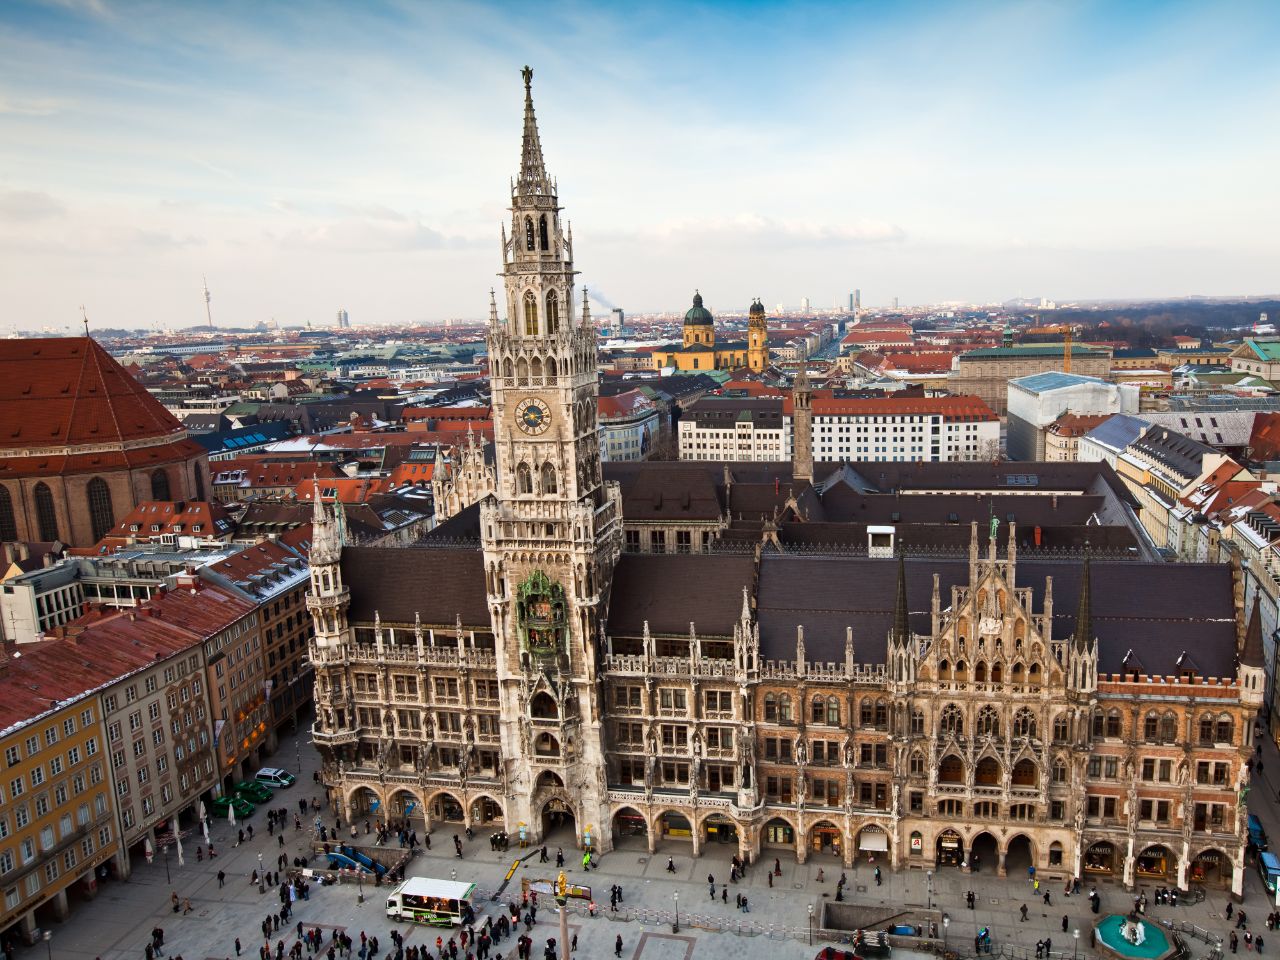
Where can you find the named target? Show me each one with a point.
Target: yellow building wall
(58, 808)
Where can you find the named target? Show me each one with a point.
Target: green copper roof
(698, 314)
(1034, 350)
(1264, 349)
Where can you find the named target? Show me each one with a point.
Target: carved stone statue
(648, 772)
(384, 755)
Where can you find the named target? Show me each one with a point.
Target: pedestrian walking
(617, 946)
(671, 865)
(1046, 897)
(724, 894)
(1023, 909)
(222, 879)
(1064, 923)
(237, 946)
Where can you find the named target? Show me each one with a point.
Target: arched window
(980, 672)
(101, 516)
(1150, 727)
(1059, 772)
(46, 517)
(8, 523)
(1206, 729)
(1168, 728)
(770, 708)
(917, 723)
(528, 233)
(548, 478)
(524, 479)
(1113, 723)
(530, 314)
(988, 722)
(997, 673)
(535, 369)
(1025, 774)
(784, 708)
(553, 312)
(817, 710)
(833, 711)
(917, 764)
(951, 721)
(987, 772)
(1061, 728)
(199, 475)
(882, 714)
(542, 233)
(160, 485)
(1024, 723)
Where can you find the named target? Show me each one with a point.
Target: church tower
(757, 338)
(552, 531)
(802, 427)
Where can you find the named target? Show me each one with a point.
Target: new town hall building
(923, 664)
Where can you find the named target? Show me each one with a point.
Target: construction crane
(1068, 333)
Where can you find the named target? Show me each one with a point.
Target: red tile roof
(68, 391)
(346, 489)
(1265, 442)
(1076, 424)
(93, 652)
(949, 408)
(255, 474)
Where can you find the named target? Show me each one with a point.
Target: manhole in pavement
(798, 886)
(642, 860)
(861, 888)
(994, 902)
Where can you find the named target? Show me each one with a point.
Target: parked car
(242, 807)
(253, 791)
(275, 777)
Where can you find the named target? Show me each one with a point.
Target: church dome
(698, 314)
(757, 309)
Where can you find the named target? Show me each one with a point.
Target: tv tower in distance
(208, 312)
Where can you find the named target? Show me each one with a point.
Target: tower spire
(586, 309)
(533, 173)
(493, 310)
(1084, 612)
(901, 630)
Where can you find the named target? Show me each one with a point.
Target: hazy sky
(307, 156)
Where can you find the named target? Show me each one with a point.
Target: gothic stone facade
(917, 712)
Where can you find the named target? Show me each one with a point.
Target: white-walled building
(734, 428)
(1036, 401)
(877, 428)
(937, 429)
(628, 426)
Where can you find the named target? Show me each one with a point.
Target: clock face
(532, 415)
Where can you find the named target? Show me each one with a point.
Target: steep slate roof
(438, 584)
(669, 590)
(1157, 610)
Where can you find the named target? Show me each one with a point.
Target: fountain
(1132, 938)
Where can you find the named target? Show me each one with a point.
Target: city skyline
(320, 157)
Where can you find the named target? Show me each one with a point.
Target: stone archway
(949, 848)
(558, 822)
(487, 812)
(1100, 859)
(630, 829)
(719, 828)
(1019, 856)
(874, 844)
(1213, 868)
(826, 839)
(405, 806)
(984, 851)
(444, 806)
(363, 801)
(1156, 862)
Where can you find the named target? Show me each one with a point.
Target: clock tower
(552, 531)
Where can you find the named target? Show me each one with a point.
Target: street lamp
(811, 924)
(928, 875)
(946, 922)
(48, 936)
(1076, 934)
(675, 896)
(167, 878)
(262, 880)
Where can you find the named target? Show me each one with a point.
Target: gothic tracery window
(542, 233)
(101, 516)
(528, 233)
(160, 485)
(530, 314)
(8, 522)
(548, 478)
(988, 722)
(524, 479)
(1024, 723)
(46, 516)
(951, 721)
(553, 312)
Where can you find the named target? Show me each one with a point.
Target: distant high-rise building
(857, 299)
(616, 320)
(895, 303)
(344, 321)
(804, 304)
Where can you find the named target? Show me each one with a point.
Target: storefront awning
(873, 840)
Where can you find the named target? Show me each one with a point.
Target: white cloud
(28, 205)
